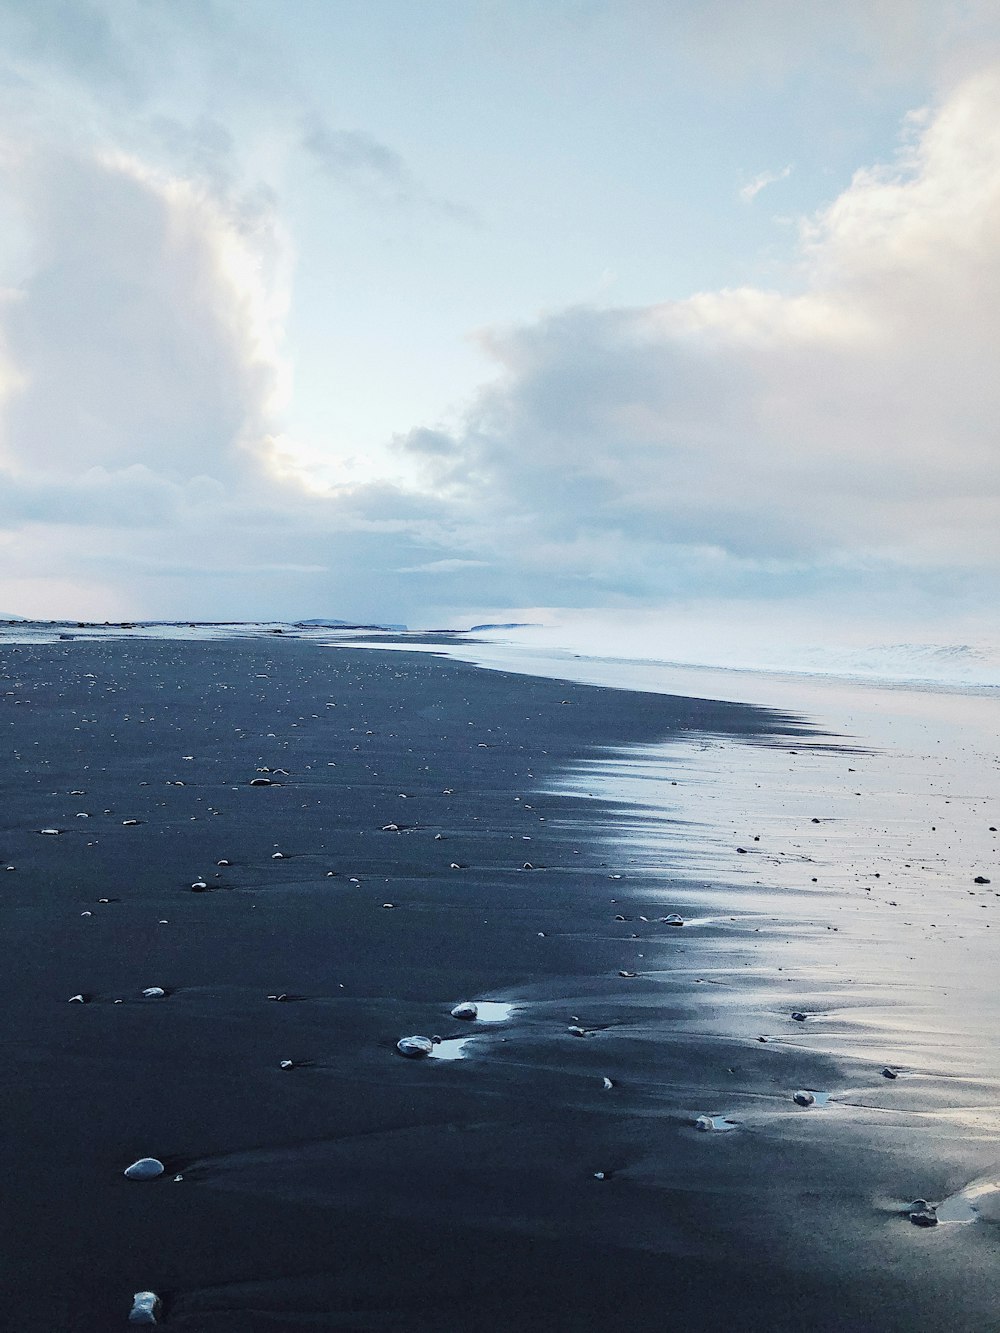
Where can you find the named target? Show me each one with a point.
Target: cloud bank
(833, 440)
(841, 435)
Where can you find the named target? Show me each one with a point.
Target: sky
(638, 312)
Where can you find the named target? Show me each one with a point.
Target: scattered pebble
(608, 1083)
(261, 782)
(154, 993)
(145, 1308)
(199, 886)
(922, 1214)
(466, 1010)
(51, 831)
(799, 1017)
(804, 1098)
(414, 1047)
(287, 1064)
(77, 999)
(146, 1168)
(575, 1031)
(672, 920)
(889, 1073)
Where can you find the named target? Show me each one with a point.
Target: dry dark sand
(359, 1190)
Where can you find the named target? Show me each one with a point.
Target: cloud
(752, 189)
(840, 436)
(834, 443)
(373, 170)
(146, 332)
(442, 566)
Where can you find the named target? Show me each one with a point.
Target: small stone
(199, 886)
(527, 865)
(145, 1308)
(607, 1083)
(980, 879)
(922, 1214)
(628, 974)
(803, 1098)
(261, 782)
(282, 996)
(77, 999)
(154, 993)
(277, 856)
(52, 832)
(414, 1048)
(704, 1123)
(146, 1168)
(466, 1010)
(130, 823)
(673, 920)
(287, 1064)
(575, 1031)
(600, 1175)
(799, 1017)
(222, 863)
(889, 1073)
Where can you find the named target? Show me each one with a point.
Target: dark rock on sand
(922, 1214)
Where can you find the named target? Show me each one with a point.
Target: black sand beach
(421, 864)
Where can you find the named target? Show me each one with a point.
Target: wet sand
(506, 1188)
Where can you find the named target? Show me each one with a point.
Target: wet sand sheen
(352, 1188)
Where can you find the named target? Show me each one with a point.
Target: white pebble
(414, 1047)
(146, 1168)
(145, 1308)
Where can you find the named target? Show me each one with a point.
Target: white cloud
(843, 434)
(835, 441)
(442, 566)
(752, 189)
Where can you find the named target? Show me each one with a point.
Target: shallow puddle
(494, 1011)
(451, 1048)
(714, 1124)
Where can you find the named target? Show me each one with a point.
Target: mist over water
(770, 642)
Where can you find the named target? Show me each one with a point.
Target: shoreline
(497, 1155)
